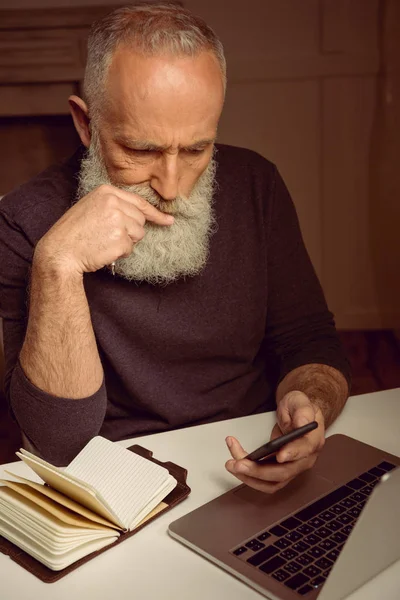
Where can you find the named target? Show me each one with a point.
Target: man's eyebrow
(152, 146)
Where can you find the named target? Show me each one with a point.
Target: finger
(276, 432)
(310, 444)
(270, 472)
(131, 210)
(261, 486)
(235, 448)
(150, 212)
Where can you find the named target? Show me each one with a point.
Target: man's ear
(80, 116)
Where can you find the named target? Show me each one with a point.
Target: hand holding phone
(267, 452)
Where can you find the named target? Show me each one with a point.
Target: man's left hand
(294, 410)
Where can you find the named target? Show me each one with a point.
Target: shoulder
(233, 159)
(37, 204)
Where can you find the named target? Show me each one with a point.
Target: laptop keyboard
(300, 551)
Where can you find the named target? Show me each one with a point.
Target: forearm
(59, 354)
(325, 386)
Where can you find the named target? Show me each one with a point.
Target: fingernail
(230, 465)
(302, 421)
(229, 442)
(241, 468)
(170, 219)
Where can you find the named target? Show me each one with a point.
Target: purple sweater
(203, 349)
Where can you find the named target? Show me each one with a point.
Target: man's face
(160, 120)
(155, 137)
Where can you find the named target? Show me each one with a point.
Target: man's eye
(195, 150)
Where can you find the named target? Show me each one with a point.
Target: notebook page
(125, 480)
(45, 490)
(72, 487)
(56, 509)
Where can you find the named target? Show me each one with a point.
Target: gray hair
(150, 29)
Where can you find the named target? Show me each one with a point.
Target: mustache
(145, 191)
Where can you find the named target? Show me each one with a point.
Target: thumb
(235, 448)
(303, 415)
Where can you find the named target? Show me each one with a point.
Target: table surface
(152, 565)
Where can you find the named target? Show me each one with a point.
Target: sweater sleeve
(57, 428)
(300, 329)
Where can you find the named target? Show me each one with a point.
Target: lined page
(126, 481)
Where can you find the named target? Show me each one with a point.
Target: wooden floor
(374, 358)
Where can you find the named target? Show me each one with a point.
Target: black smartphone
(267, 452)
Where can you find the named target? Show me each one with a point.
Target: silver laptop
(328, 532)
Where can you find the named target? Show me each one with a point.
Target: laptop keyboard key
(334, 525)
(282, 543)
(323, 563)
(377, 472)
(291, 523)
(289, 554)
(240, 551)
(345, 519)
(356, 484)
(333, 554)
(272, 565)
(280, 575)
(327, 515)
(300, 547)
(293, 567)
(347, 530)
(367, 490)
(263, 555)
(386, 466)
(296, 581)
(293, 536)
(339, 537)
(367, 477)
(316, 552)
(327, 545)
(255, 545)
(305, 589)
(312, 571)
(326, 573)
(312, 539)
(323, 532)
(337, 509)
(278, 530)
(263, 536)
(355, 512)
(318, 581)
(316, 522)
(305, 529)
(305, 559)
(348, 503)
(358, 497)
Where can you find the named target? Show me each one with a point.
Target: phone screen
(266, 453)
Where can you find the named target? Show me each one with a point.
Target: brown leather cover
(179, 493)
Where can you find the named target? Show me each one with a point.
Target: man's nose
(165, 180)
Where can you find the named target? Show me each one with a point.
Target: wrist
(50, 264)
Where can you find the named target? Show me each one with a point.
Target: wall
(305, 90)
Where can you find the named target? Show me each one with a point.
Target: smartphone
(267, 452)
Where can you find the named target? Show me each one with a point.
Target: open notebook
(105, 491)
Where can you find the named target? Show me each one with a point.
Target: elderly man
(157, 280)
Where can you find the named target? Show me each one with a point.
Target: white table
(151, 565)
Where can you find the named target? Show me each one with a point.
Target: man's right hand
(100, 228)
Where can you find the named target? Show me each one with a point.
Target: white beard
(166, 253)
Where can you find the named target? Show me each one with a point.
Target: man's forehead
(147, 80)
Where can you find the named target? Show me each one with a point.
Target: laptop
(325, 534)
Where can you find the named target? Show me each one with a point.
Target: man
(169, 286)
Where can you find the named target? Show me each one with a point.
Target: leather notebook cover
(179, 493)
